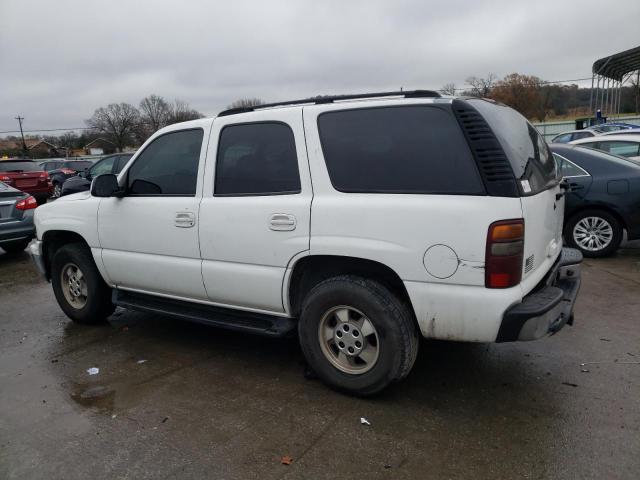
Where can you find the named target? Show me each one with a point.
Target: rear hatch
(23, 175)
(538, 182)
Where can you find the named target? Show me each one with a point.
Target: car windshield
(19, 166)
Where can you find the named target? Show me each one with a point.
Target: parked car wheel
(357, 335)
(78, 286)
(57, 190)
(14, 246)
(596, 233)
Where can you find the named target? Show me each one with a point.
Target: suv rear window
(19, 166)
(530, 157)
(403, 149)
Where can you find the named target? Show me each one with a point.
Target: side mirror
(105, 186)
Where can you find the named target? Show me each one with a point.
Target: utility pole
(25, 152)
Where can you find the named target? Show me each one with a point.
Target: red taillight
(505, 250)
(43, 175)
(67, 171)
(27, 204)
(5, 178)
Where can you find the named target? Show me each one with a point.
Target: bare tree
(525, 93)
(245, 103)
(154, 112)
(182, 112)
(116, 121)
(481, 87)
(448, 89)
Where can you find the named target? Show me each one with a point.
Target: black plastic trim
(493, 164)
(231, 319)
(333, 98)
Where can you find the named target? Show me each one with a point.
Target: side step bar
(261, 324)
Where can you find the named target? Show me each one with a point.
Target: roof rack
(333, 98)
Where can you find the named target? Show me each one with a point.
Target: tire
(605, 228)
(395, 334)
(93, 304)
(57, 190)
(14, 246)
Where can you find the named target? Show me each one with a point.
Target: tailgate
(543, 216)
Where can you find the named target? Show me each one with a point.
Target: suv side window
(168, 165)
(399, 149)
(257, 159)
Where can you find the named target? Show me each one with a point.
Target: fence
(551, 129)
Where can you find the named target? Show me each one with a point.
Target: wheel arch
(310, 270)
(53, 240)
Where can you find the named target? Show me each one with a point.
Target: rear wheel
(14, 246)
(357, 335)
(78, 286)
(57, 190)
(596, 233)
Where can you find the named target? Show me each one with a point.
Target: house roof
(616, 66)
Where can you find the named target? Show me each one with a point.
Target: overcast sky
(61, 59)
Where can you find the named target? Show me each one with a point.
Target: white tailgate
(543, 216)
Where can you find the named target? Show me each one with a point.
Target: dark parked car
(16, 218)
(603, 200)
(67, 169)
(82, 181)
(27, 176)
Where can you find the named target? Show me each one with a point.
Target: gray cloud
(61, 60)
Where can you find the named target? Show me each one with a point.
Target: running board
(258, 323)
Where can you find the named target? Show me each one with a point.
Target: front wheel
(596, 233)
(357, 335)
(78, 285)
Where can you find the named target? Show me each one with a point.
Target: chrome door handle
(282, 222)
(185, 219)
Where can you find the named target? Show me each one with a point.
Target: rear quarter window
(400, 149)
(533, 165)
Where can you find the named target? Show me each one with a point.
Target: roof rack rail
(333, 98)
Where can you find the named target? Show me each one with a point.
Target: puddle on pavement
(98, 397)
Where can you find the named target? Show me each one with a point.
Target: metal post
(591, 95)
(595, 109)
(606, 99)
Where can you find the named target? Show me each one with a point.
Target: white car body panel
(231, 257)
(244, 260)
(142, 247)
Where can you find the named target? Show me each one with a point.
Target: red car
(27, 176)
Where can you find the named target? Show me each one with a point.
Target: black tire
(616, 228)
(14, 246)
(98, 304)
(395, 326)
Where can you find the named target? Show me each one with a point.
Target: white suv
(363, 221)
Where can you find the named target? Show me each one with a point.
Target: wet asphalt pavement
(180, 400)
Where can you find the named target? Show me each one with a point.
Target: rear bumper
(549, 307)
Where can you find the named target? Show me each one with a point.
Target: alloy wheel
(74, 286)
(593, 233)
(349, 340)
